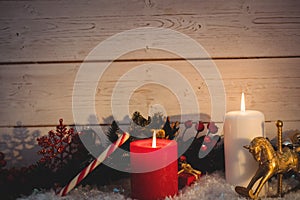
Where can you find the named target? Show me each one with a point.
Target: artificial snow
(212, 186)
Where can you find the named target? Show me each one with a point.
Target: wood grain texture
(39, 94)
(254, 44)
(37, 31)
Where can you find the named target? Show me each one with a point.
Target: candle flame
(243, 106)
(154, 139)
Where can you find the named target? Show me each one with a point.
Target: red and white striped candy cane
(109, 150)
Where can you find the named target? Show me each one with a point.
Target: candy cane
(109, 150)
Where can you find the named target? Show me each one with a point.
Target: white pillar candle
(240, 127)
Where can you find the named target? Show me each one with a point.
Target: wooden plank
(31, 89)
(34, 31)
(40, 94)
(267, 83)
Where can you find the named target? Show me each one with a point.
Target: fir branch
(171, 129)
(112, 132)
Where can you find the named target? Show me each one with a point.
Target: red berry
(188, 124)
(182, 158)
(212, 127)
(203, 147)
(199, 126)
(207, 139)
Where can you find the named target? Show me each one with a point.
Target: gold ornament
(271, 162)
(187, 168)
(160, 133)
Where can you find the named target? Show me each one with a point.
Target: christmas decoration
(93, 164)
(153, 168)
(212, 127)
(160, 133)
(164, 129)
(139, 120)
(142, 127)
(64, 155)
(209, 144)
(171, 129)
(271, 162)
(58, 146)
(52, 170)
(188, 124)
(240, 127)
(186, 174)
(199, 127)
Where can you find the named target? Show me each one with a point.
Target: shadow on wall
(20, 146)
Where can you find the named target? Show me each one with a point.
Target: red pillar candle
(154, 169)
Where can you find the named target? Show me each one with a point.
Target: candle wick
(154, 140)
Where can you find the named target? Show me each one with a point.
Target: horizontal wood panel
(40, 94)
(32, 31)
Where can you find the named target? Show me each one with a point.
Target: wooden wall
(254, 44)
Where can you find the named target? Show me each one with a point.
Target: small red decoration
(188, 124)
(186, 179)
(93, 165)
(207, 140)
(211, 126)
(182, 159)
(199, 127)
(58, 146)
(186, 174)
(203, 147)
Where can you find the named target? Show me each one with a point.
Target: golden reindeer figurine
(271, 162)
